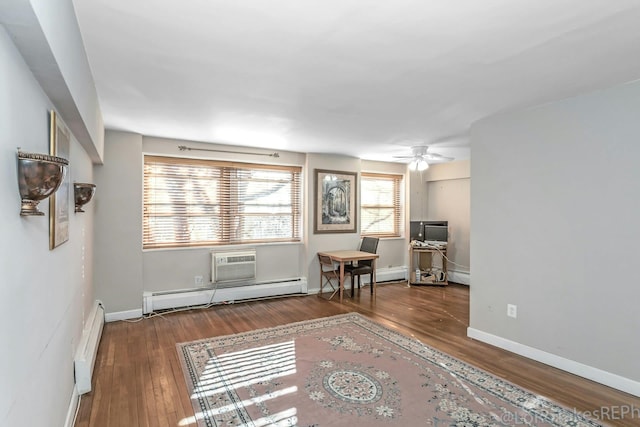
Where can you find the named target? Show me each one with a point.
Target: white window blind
(191, 202)
(380, 209)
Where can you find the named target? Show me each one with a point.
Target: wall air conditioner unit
(233, 266)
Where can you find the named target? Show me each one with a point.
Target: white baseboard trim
(123, 315)
(153, 301)
(72, 412)
(188, 297)
(461, 277)
(387, 274)
(85, 357)
(598, 375)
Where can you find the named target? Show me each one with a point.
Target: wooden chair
(368, 244)
(329, 272)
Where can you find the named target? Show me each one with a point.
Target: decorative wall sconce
(39, 176)
(83, 193)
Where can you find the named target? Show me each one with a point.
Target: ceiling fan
(421, 156)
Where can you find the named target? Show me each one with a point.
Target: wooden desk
(347, 256)
(425, 264)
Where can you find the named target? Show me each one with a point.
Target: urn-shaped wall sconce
(83, 193)
(39, 176)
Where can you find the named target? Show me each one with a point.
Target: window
(380, 210)
(191, 202)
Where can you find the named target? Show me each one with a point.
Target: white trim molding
(384, 274)
(74, 405)
(387, 274)
(152, 301)
(87, 351)
(598, 375)
(123, 315)
(462, 277)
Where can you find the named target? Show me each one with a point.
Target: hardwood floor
(138, 380)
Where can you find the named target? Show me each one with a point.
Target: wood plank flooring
(138, 380)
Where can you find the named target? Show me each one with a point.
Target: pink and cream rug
(347, 370)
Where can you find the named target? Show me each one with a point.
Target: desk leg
(373, 276)
(341, 279)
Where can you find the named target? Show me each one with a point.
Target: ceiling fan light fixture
(418, 161)
(419, 165)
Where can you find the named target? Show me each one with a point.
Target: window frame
(225, 204)
(398, 180)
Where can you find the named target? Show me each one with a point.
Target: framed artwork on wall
(59, 142)
(335, 200)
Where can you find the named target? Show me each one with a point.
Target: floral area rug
(347, 370)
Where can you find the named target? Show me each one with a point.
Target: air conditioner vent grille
(240, 258)
(233, 266)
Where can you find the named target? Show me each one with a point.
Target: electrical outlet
(512, 310)
(198, 280)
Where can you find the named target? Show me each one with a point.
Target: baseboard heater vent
(384, 274)
(88, 349)
(153, 301)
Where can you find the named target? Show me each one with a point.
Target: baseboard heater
(153, 301)
(384, 274)
(85, 358)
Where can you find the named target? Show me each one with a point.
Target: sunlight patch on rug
(347, 370)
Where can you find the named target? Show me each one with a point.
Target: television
(436, 233)
(418, 230)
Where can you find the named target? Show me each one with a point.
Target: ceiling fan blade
(436, 156)
(420, 152)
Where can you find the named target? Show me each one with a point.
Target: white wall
(44, 295)
(449, 198)
(442, 192)
(418, 195)
(171, 269)
(393, 252)
(118, 227)
(47, 35)
(123, 271)
(555, 201)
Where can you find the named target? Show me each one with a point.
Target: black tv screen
(436, 233)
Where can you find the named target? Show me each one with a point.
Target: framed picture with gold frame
(335, 209)
(59, 143)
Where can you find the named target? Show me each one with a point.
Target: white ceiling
(363, 78)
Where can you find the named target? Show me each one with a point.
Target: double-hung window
(380, 206)
(189, 202)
